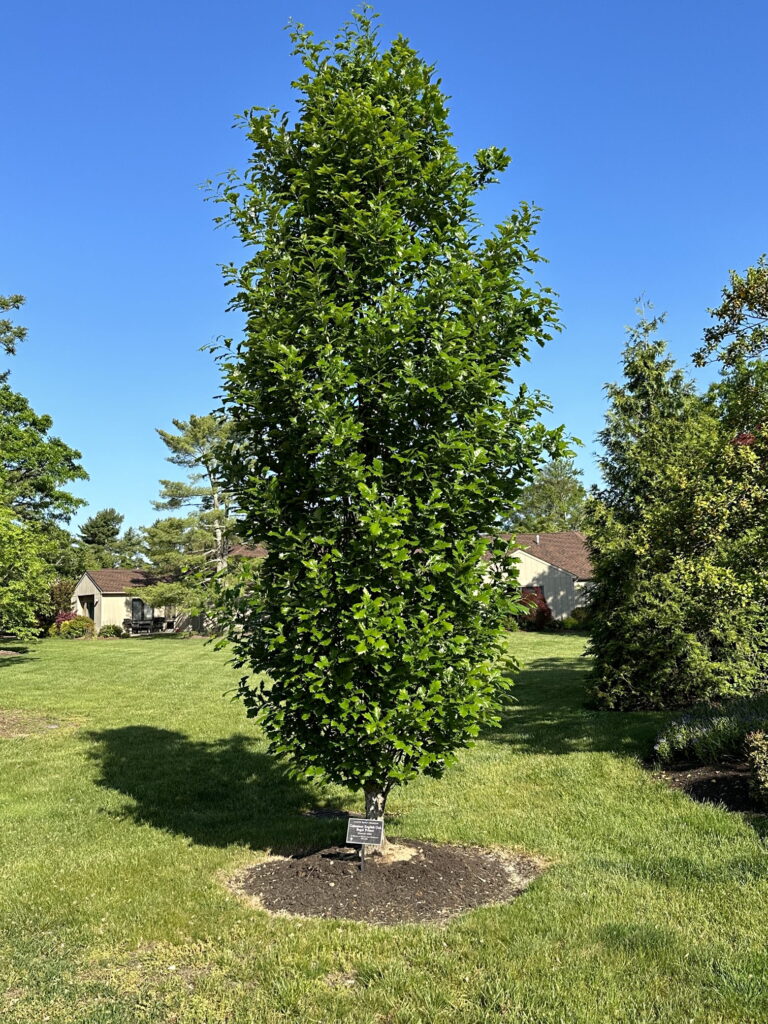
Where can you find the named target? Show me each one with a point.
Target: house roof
(567, 550)
(249, 550)
(117, 581)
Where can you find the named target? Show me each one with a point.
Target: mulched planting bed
(715, 784)
(436, 884)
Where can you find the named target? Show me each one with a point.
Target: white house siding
(560, 587)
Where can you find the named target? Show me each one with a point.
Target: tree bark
(375, 802)
(218, 530)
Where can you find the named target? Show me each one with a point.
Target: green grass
(117, 829)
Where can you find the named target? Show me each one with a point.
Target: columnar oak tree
(376, 434)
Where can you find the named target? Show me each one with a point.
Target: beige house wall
(86, 588)
(114, 609)
(561, 589)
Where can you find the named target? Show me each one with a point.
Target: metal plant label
(365, 832)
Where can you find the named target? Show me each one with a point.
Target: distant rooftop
(567, 550)
(117, 581)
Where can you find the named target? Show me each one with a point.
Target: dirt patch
(714, 784)
(15, 724)
(435, 884)
(10, 654)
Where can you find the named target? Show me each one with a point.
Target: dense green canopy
(377, 435)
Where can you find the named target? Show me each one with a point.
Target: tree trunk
(375, 802)
(218, 532)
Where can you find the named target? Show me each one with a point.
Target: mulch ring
(714, 784)
(15, 724)
(424, 882)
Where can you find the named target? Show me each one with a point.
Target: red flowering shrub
(55, 628)
(539, 614)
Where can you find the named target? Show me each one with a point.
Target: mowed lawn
(119, 827)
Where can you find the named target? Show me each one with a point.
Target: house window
(141, 612)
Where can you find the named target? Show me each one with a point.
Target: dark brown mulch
(438, 883)
(715, 784)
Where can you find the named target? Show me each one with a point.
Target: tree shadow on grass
(216, 793)
(549, 715)
(13, 653)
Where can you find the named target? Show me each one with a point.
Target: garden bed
(728, 785)
(415, 882)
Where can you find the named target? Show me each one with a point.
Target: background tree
(130, 549)
(11, 334)
(25, 578)
(179, 551)
(740, 330)
(101, 545)
(99, 538)
(678, 609)
(35, 468)
(196, 447)
(376, 433)
(553, 501)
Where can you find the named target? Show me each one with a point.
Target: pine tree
(195, 447)
(552, 502)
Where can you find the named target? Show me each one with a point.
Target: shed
(101, 595)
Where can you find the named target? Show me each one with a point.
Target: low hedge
(75, 629)
(757, 757)
(108, 632)
(714, 733)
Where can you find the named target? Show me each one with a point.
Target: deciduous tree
(377, 433)
(10, 333)
(740, 330)
(26, 578)
(35, 468)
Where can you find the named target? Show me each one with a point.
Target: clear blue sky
(639, 128)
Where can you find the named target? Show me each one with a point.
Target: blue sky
(638, 128)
